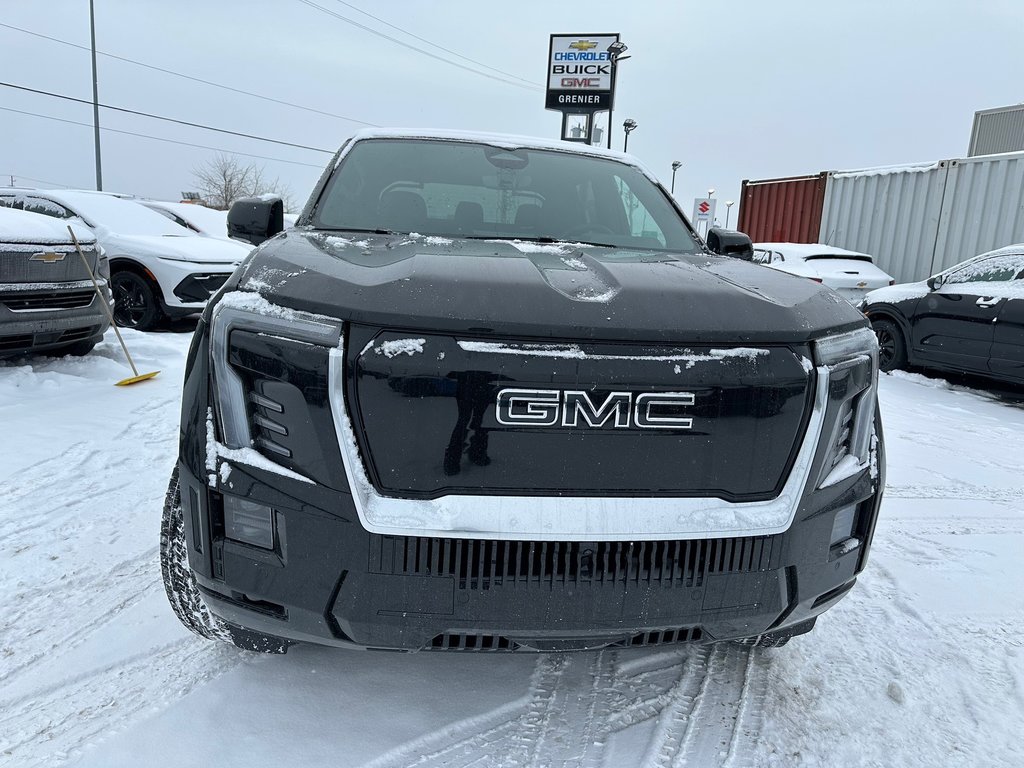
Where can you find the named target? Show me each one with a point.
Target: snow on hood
(207, 250)
(37, 229)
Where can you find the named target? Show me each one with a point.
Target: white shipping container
(917, 220)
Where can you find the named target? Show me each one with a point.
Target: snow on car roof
(504, 141)
(35, 228)
(810, 250)
(119, 214)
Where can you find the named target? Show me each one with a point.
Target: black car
(967, 319)
(496, 394)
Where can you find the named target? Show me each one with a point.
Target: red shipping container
(786, 210)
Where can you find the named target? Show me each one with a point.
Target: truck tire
(892, 346)
(183, 593)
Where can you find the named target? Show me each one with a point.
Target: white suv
(158, 269)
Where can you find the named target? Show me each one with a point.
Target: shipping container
(997, 130)
(783, 210)
(917, 220)
(891, 213)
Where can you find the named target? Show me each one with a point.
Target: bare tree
(224, 179)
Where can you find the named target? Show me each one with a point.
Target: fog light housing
(249, 522)
(843, 524)
(843, 540)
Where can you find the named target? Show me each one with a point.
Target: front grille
(17, 265)
(78, 334)
(52, 300)
(477, 564)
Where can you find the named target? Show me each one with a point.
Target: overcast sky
(734, 90)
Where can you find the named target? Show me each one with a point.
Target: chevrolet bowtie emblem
(48, 256)
(583, 45)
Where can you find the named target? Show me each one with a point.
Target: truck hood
(185, 248)
(525, 289)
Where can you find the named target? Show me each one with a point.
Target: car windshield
(125, 217)
(461, 189)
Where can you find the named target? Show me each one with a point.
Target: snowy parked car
(484, 411)
(848, 273)
(968, 318)
(47, 299)
(157, 268)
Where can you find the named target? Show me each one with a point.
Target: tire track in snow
(708, 702)
(39, 730)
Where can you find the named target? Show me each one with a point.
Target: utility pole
(95, 99)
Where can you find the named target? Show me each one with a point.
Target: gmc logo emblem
(574, 408)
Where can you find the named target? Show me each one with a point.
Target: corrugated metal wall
(997, 130)
(782, 210)
(918, 220)
(983, 208)
(891, 213)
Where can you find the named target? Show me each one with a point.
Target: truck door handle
(987, 301)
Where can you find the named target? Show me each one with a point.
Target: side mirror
(255, 219)
(729, 242)
(935, 282)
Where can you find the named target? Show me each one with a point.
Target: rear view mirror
(255, 219)
(729, 242)
(935, 282)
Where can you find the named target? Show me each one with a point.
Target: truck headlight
(852, 363)
(256, 315)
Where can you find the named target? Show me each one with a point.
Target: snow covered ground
(923, 665)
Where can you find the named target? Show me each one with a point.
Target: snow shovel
(138, 376)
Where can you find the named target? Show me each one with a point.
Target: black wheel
(78, 349)
(135, 302)
(183, 593)
(892, 347)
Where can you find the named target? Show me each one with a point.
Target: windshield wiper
(543, 240)
(360, 231)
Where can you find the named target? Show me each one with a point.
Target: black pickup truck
(494, 393)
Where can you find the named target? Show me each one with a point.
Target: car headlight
(102, 263)
(232, 398)
(852, 363)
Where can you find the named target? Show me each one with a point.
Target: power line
(436, 45)
(38, 181)
(154, 138)
(190, 77)
(168, 119)
(404, 44)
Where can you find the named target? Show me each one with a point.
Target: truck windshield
(463, 189)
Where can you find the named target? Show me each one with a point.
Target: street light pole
(628, 126)
(95, 99)
(728, 204)
(676, 165)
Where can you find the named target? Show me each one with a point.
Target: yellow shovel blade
(136, 379)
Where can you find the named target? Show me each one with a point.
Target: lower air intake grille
(485, 564)
(464, 642)
(661, 637)
(56, 300)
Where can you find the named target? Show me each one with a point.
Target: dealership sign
(581, 73)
